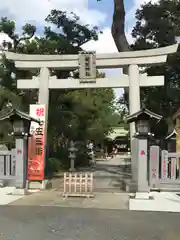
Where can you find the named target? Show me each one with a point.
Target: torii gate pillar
(43, 97)
(134, 94)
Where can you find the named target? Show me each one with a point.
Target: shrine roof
(171, 134)
(16, 112)
(143, 112)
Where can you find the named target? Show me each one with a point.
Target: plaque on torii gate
(134, 80)
(87, 67)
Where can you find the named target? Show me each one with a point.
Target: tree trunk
(118, 30)
(118, 27)
(170, 123)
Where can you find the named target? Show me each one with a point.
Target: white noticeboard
(36, 111)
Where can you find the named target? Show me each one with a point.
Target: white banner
(36, 111)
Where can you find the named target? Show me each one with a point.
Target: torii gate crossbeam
(132, 60)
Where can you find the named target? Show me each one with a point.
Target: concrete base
(7, 183)
(7, 196)
(167, 188)
(129, 185)
(142, 195)
(1, 183)
(45, 184)
(20, 192)
(162, 202)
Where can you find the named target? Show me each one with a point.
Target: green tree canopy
(158, 26)
(79, 114)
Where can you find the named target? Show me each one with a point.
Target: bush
(52, 165)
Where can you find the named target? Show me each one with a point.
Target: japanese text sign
(36, 148)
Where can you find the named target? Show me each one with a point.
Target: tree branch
(118, 27)
(16, 42)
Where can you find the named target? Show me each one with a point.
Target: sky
(89, 11)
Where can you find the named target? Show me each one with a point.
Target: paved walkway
(53, 223)
(6, 195)
(54, 198)
(109, 175)
(107, 189)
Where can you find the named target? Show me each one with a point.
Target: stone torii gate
(86, 63)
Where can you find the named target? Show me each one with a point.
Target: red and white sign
(154, 165)
(142, 153)
(36, 145)
(164, 168)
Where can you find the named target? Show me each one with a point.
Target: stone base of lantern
(72, 170)
(130, 186)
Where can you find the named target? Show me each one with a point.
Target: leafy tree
(118, 26)
(158, 26)
(73, 114)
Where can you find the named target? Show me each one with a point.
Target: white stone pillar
(43, 98)
(134, 93)
(142, 161)
(134, 106)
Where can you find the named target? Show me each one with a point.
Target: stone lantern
(171, 141)
(142, 121)
(21, 125)
(139, 151)
(72, 155)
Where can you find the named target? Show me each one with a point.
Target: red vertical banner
(36, 144)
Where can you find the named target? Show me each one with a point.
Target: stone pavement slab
(55, 223)
(54, 198)
(108, 175)
(6, 196)
(162, 201)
